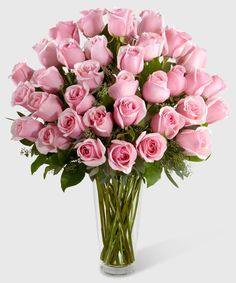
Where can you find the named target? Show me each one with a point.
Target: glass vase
(117, 203)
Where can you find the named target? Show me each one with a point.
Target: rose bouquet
(131, 101)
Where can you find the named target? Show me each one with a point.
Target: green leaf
(72, 175)
(26, 142)
(54, 169)
(152, 172)
(149, 68)
(34, 151)
(194, 159)
(39, 161)
(168, 175)
(20, 114)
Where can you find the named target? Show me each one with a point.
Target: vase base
(118, 270)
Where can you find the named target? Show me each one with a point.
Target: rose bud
(21, 73)
(50, 108)
(88, 72)
(151, 22)
(70, 124)
(50, 80)
(177, 43)
(217, 109)
(195, 142)
(35, 99)
(50, 139)
(216, 86)
(96, 49)
(197, 81)
(47, 53)
(99, 120)
(176, 80)
(25, 128)
(155, 88)
(91, 23)
(121, 22)
(21, 94)
(152, 44)
(121, 156)
(125, 85)
(196, 58)
(79, 98)
(63, 30)
(167, 122)
(69, 53)
(91, 152)
(129, 110)
(151, 147)
(194, 110)
(130, 58)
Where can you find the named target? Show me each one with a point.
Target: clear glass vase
(117, 203)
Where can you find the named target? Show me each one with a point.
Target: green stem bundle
(118, 202)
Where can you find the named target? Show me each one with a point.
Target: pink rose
(25, 128)
(91, 23)
(129, 110)
(197, 81)
(91, 152)
(151, 147)
(196, 58)
(167, 122)
(130, 58)
(50, 108)
(195, 142)
(121, 156)
(152, 44)
(88, 72)
(50, 80)
(69, 53)
(216, 86)
(218, 109)
(70, 124)
(50, 139)
(155, 88)
(35, 99)
(47, 53)
(64, 30)
(194, 110)
(21, 72)
(96, 49)
(177, 43)
(176, 80)
(79, 98)
(21, 94)
(151, 22)
(121, 22)
(99, 120)
(125, 85)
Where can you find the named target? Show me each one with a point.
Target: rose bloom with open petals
(121, 156)
(151, 22)
(25, 128)
(176, 80)
(151, 147)
(89, 72)
(129, 110)
(50, 139)
(70, 123)
(21, 94)
(195, 142)
(167, 122)
(194, 110)
(64, 29)
(79, 98)
(91, 23)
(217, 109)
(125, 85)
(99, 120)
(197, 82)
(216, 85)
(91, 152)
(131, 59)
(21, 72)
(155, 88)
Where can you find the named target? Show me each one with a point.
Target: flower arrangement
(133, 101)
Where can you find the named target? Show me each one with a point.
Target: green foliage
(39, 161)
(103, 98)
(152, 172)
(72, 175)
(149, 68)
(194, 159)
(26, 142)
(20, 114)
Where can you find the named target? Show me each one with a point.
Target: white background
(186, 235)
